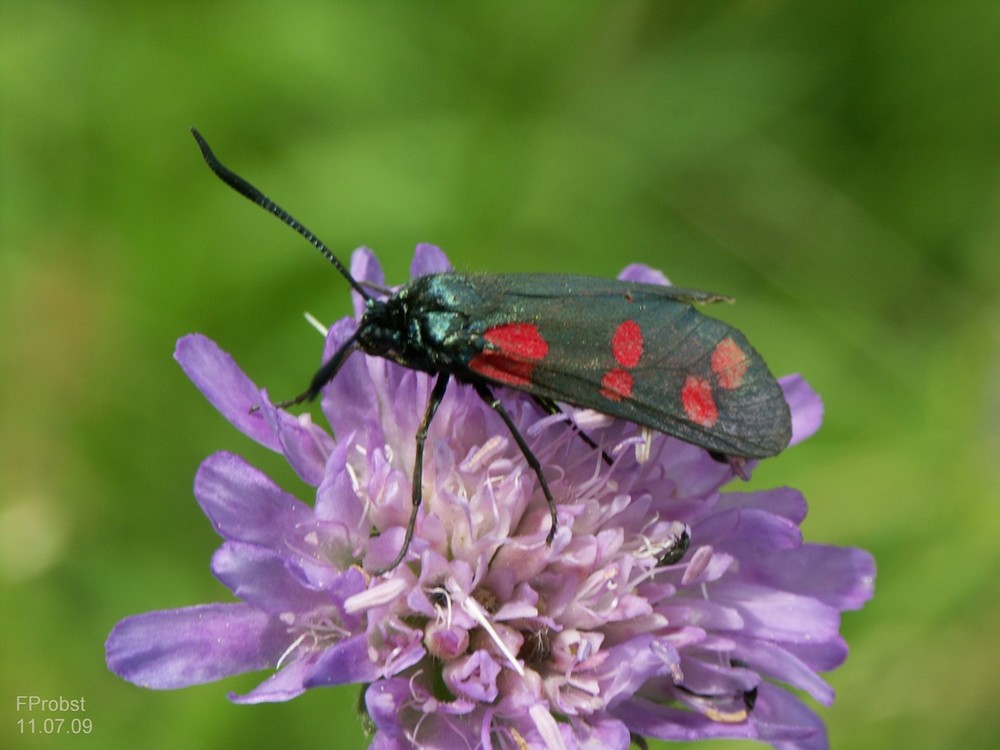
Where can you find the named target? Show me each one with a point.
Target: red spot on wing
(626, 343)
(626, 346)
(514, 348)
(520, 341)
(501, 368)
(698, 401)
(729, 363)
(617, 384)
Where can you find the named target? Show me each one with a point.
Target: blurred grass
(834, 167)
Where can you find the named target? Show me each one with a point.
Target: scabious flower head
(665, 607)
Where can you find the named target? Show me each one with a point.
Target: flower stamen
(477, 613)
(289, 650)
(314, 322)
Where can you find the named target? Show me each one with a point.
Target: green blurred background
(834, 166)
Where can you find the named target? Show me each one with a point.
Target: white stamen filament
(447, 598)
(477, 613)
(355, 482)
(315, 323)
(289, 650)
(644, 450)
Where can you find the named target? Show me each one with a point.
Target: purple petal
(337, 336)
(841, 577)
(429, 259)
(365, 268)
(337, 501)
(603, 733)
(806, 406)
(381, 741)
(385, 700)
(444, 642)
(261, 577)
(244, 504)
(780, 716)
(473, 676)
(181, 647)
(347, 662)
(728, 684)
(823, 656)
(781, 501)
(225, 385)
(304, 444)
(745, 532)
(651, 719)
(403, 723)
(351, 400)
(768, 658)
(283, 685)
(644, 274)
(701, 613)
(635, 661)
(778, 615)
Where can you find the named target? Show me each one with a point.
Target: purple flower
(665, 607)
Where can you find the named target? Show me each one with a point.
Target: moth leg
(325, 373)
(440, 385)
(551, 407)
(737, 463)
(494, 403)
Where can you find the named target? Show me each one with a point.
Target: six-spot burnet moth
(640, 352)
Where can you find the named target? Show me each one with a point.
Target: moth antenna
(376, 287)
(248, 191)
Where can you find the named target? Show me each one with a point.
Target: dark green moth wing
(639, 352)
